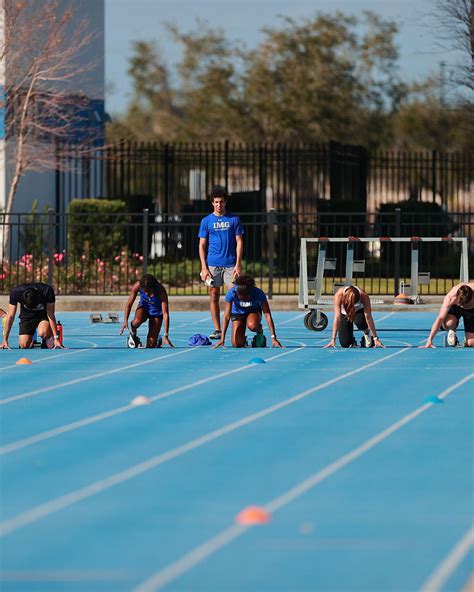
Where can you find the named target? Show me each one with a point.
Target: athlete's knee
(346, 341)
(450, 322)
(254, 326)
(238, 341)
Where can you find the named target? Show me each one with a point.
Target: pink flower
(117, 258)
(78, 274)
(115, 278)
(140, 258)
(3, 276)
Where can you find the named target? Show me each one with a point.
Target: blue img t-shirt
(221, 232)
(257, 298)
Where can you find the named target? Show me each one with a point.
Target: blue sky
(130, 20)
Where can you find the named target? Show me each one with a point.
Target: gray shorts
(222, 275)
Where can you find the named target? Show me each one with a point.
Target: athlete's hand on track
(332, 343)
(219, 344)
(378, 343)
(276, 343)
(166, 341)
(57, 344)
(5, 344)
(427, 345)
(124, 326)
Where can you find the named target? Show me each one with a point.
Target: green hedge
(97, 228)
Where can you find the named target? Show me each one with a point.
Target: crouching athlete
(244, 304)
(152, 307)
(458, 303)
(37, 306)
(352, 306)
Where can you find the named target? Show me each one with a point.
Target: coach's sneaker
(451, 338)
(259, 340)
(133, 341)
(216, 335)
(366, 341)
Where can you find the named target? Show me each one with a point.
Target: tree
(330, 77)
(40, 52)
(454, 26)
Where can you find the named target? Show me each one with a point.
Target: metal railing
(104, 253)
(280, 176)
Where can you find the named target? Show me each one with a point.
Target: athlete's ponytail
(349, 300)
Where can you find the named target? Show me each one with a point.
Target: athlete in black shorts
(458, 303)
(37, 303)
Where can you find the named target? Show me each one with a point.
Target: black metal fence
(287, 178)
(106, 253)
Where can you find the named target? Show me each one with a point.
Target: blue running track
(362, 457)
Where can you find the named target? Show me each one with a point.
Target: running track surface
(369, 483)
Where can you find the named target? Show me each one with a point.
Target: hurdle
(311, 286)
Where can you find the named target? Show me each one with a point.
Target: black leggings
(346, 328)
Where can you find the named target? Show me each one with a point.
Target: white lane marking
(384, 317)
(207, 318)
(57, 355)
(300, 316)
(19, 444)
(90, 377)
(441, 575)
(166, 575)
(92, 489)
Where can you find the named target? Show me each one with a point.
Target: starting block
(112, 317)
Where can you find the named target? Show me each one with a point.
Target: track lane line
(40, 437)
(449, 564)
(67, 500)
(168, 574)
(90, 377)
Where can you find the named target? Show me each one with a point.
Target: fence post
(145, 240)
(271, 221)
(51, 237)
(166, 179)
(226, 164)
(396, 272)
(433, 175)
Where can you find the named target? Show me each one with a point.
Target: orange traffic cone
(24, 361)
(253, 515)
(402, 298)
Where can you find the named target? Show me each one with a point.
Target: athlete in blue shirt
(152, 306)
(220, 251)
(244, 305)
